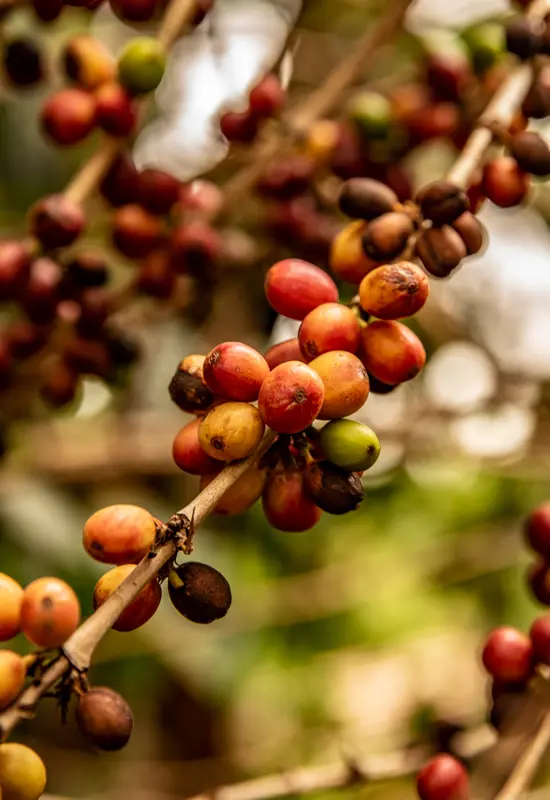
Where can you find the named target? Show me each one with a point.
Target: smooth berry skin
(291, 397)
(69, 116)
(294, 287)
(267, 98)
(443, 778)
(12, 676)
(348, 260)
(537, 530)
(538, 578)
(330, 326)
(346, 383)
(391, 352)
(540, 639)
(50, 612)
(188, 453)
(394, 291)
(56, 221)
(116, 112)
(15, 266)
(239, 126)
(289, 350)
(11, 597)
(235, 371)
(508, 655)
(286, 504)
(140, 610)
(158, 191)
(120, 186)
(119, 534)
(136, 232)
(504, 183)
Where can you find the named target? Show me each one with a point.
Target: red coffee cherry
(348, 260)
(231, 430)
(120, 186)
(60, 384)
(504, 183)
(291, 397)
(346, 383)
(330, 326)
(235, 371)
(286, 178)
(24, 339)
(43, 291)
(239, 126)
(199, 592)
(244, 492)
(188, 454)
(195, 248)
(156, 276)
(158, 191)
(88, 62)
(15, 265)
(119, 534)
(116, 112)
(448, 74)
(540, 639)
(267, 98)
(12, 676)
(202, 196)
(443, 778)
(286, 504)
(538, 578)
(50, 612)
(135, 10)
(105, 718)
(140, 610)
(391, 352)
(537, 530)
(11, 598)
(188, 389)
(394, 290)
(69, 116)
(56, 221)
(294, 288)
(508, 655)
(136, 232)
(289, 350)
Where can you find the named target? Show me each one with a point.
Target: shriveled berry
(540, 639)
(11, 597)
(286, 504)
(158, 191)
(56, 221)
(365, 198)
(12, 677)
(204, 594)
(288, 350)
(156, 276)
(348, 259)
(504, 183)
(350, 445)
(119, 534)
(267, 98)
(386, 237)
(188, 454)
(394, 291)
(188, 389)
(440, 249)
(291, 397)
(140, 610)
(391, 352)
(22, 772)
(88, 62)
(242, 494)
(69, 116)
(346, 383)
(330, 326)
(87, 269)
(294, 288)
(235, 371)
(471, 231)
(43, 291)
(105, 718)
(538, 578)
(443, 778)
(120, 186)
(141, 65)
(136, 232)
(531, 152)
(15, 266)
(231, 430)
(116, 112)
(50, 612)
(508, 655)
(22, 62)
(523, 37)
(334, 490)
(442, 202)
(537, 530)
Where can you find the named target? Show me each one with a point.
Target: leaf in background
(209, 71)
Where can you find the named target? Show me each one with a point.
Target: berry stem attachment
(174, 579)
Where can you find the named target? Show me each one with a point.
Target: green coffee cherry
(349, 444)
(141, 65)
(486, 44)
(371, 112)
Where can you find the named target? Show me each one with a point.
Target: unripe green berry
(371, 112)
(350, 445)
(141, 65)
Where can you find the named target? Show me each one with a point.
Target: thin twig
(526, 767)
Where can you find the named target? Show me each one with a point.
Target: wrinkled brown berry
(188, 389)
(333, 489)
(442, 202)
(204, 594)
(105, 718)
(364, 198)
(386, 237)
(440, 250)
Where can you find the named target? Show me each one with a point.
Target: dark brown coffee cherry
(386, 237)
(188, 389)
(156, 277)
(440, 250)
(204, 594)
(43, 291)
(442, 202)
(123, 351)
(105, 718)
(87, 270)
(56, 221)
(536, 104)
(471, 231)
(364, 198)
(523, 37)
(531, 152)
(333, 489)
(23, 62)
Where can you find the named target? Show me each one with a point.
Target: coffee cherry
(486, 44)
(508, 655)
(87, 270)
(14, 268)
(95, 307)
(119, 534)
(282, 352)
(242, 494)
(291, 397)
(235, 371)
(50, 612)
(47, 10)
(294, 288)
(371, 112)
(12, 676)
(471, 231)
(88, 62)
(123, 350)
(204, 595)
(156, 277)
(140, 610)
(449, 73)
(287, 178)
(540, 639)
(442, 202)
(105, 718)
(195, 248)
(391, 352)
(88, 357)
(202, 196)
(333, 489)
(135, 10)
(286, 504)
(158, 191)
(231, 430)
(443, 778)
(188, 389)
(120, 186)
(349, 445)
(539, 580)
(24, 339)
(188, 454)
(116, 112)
(136, 233)
(22, 62)
(22, 772)
(239, 126)
(536, 104)
(537, 530)
(43, 291)
(377, 386)
(56, 221)
(60, 384)
(346, 383)
(523, 38)
(394, 290)
(330, 326)
(348, 260)
(364, 198)
(267, 98)
(386, 237)
(531, 152)
(440, 249)
(11, 597)
(69, 116)
(504, 183)
(141, 65)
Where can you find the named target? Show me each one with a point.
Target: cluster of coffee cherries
(265, 101)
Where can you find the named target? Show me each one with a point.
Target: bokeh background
(350, 639)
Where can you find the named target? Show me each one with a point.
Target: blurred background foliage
(339, 639)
